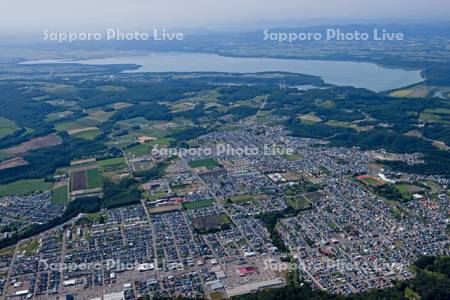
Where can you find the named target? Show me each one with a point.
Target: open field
(409, 188)
(436, 115)
(198, 204)
(58, 115)
(98, 115)
(111, 88)
(12, 163)
(370, 180)
(78, 181)
(87, 134)
(310, 118)
(418, 91)
(24, 187)
(208, 163)
(120, 105)
(292, 157)
(5, 156)
(325, 103)
(7, 127)
(139, 150)
(247, 198)
(94, 179)
(60, 195)
(72, 126)
(36, 143)
(343, 124)
(85, 179)
(313, 196)
(59, 89)
(112, 164)
(210, 222)
(298, 203)
(29, 247)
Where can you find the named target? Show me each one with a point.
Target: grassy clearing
(59, 89)
(60, 195)
(99, 115)
(94, 179)
(208, 163)
(7, 127)
(298, 203)
(438, 111)
(5, 155)
(292, 157)
(247, 198)
(111, 88)
(24, 187)
(8, 251)
(198, 204)
(75, 125)
(310, 118)
(111, 165)
(418, 91)
(324, 103)
(29, 247)
(370, 181)
(401, 93)
(343, 124)
(88, 135)
(139, 150)
(408, 189)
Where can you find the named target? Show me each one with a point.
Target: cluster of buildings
(199, 231)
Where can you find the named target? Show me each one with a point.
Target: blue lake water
(357, 74)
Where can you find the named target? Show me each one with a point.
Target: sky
(62, 15)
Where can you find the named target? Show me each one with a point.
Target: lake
(357, 74)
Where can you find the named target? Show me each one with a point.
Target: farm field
(76, 126)
(112, 164)
(208, 163)
(24, 187)
(247, 198)
(94, 179)
(418, 91)
(139, 150)
(370, 180)
(60, 195)
(198, 204)
(310, 118)
(85, 179)
(88, 135)
(7, 127)
(36, 143)
(210, 222)
(12, 163)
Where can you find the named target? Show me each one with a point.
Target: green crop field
(94, 179)
(247, 198)
(88, 135)
(24, 187)
(139, 150)
(6, 127)
(198, 204)
(60, 195)
(207, 163)
(112, 164)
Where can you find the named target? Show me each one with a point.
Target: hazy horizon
(22, 16)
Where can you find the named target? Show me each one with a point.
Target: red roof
(246, 270)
